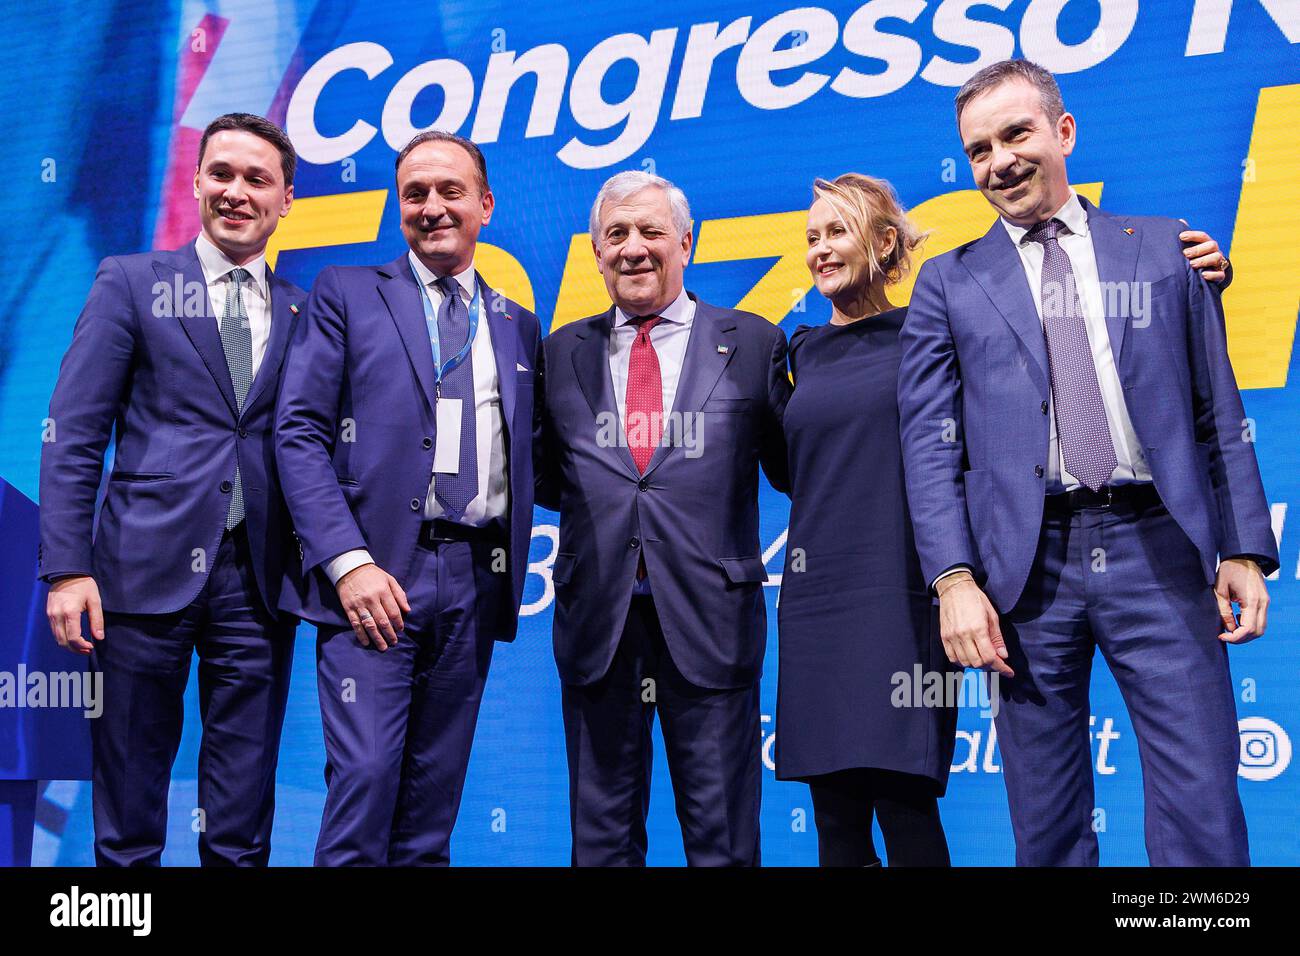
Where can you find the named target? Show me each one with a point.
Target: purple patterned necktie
(1081, 425)
(455, 492)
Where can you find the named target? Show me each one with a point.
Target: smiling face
(838, 261)
(639, 252)
(1016, 153)
(443, 205)
(241, 192)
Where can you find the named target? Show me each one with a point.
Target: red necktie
(643, 415)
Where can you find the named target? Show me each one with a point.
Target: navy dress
(854, 608)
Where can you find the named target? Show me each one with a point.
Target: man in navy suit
(658, 414)
(405, 437)
(181, 353)
(1080, 474)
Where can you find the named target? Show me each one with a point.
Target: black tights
(906, 805)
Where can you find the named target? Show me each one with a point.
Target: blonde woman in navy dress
(854, 609)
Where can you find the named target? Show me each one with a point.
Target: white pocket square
(520, 368)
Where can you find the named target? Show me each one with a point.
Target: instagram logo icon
(1265, 748)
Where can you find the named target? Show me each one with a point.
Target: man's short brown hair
(995, 74)
(258, 126)
(439, 136)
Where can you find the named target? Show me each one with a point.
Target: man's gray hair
(629, 182)
(995, 74)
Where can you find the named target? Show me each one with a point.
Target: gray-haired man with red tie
(658, 415)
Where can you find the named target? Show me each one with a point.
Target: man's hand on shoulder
(69, 598)
(1204, 255)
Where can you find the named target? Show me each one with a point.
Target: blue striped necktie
(237, 342)
(455, 491)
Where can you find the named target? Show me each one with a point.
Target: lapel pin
(1129, 231)
(294, 309)
(722, 350)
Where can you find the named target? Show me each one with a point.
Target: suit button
(415, 504)
(226, 486)
(634, 543)
(427, 443)
(243, 433)
(643, 485)
(1043, 407)
(1038, 471)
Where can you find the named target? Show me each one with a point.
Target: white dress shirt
(1076, 242)
(255, 293)
(669, 338)
(493, 498)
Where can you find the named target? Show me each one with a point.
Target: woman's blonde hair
(868, 206)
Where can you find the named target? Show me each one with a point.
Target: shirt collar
(1072, 214)
(216, 264)
(679, 310)
(464, 279)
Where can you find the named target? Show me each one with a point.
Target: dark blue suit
(149, 365)
(693, 519)
(975, 366)
(355, 438)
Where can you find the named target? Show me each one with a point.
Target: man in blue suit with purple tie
(405, 437)
(659, 413)
(1081, 477)
(180, 354)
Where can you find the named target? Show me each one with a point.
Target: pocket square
(520, 368)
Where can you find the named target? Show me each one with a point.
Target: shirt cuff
(54, 577)
(1259, 559)
(338, 566)
(947, 574)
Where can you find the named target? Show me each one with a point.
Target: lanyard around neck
(431, 320)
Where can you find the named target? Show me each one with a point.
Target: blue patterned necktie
(1081, 426)
(455, 492)
(237, 343)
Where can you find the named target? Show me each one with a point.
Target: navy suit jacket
(355, 429)
(693, 516)
(150, 364)
(974, 385)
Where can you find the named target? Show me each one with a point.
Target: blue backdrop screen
(1186, 109)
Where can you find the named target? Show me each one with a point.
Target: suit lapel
(1116, 252)
(402, 296)
(995, 263)
(282, 320)
(591, 367)
(202, 330)
(505, 348)
(709, 348)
